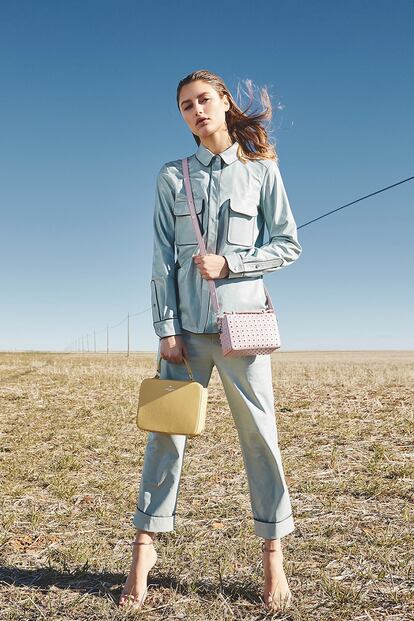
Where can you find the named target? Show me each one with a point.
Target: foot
(144, 558)
(276, 593)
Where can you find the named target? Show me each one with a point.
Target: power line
(356, 201)
(82, 348)
(79, 344)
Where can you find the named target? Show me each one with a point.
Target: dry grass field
(70, 461)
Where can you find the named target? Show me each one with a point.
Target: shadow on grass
(104, 584)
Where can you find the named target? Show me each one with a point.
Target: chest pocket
(184, 229)
(241, 221)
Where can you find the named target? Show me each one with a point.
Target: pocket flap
(247, 205)
(181, 207)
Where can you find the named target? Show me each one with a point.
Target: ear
(226, 102)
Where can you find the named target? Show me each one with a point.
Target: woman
(237, 190)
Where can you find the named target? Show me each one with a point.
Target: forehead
(193, 90)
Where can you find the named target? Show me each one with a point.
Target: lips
(202, 120)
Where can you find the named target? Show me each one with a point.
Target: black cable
(356, 201)
(298, 227)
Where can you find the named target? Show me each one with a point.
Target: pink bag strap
(200, 239)
(196, 225)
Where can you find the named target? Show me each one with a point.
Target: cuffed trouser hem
(274, 530)
(153, 523)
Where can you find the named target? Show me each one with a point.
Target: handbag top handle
(187, 364)
(200, 239)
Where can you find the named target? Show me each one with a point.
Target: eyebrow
(187, 100)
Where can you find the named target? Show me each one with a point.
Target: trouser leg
(164, 453)
(247, 382)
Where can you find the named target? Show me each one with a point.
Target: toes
(277, 602)
(128, 599)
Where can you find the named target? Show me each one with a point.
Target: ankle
(144, 536)
(272, 545)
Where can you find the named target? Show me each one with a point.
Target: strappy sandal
(273, 605)
(133, 600)
(264, 549)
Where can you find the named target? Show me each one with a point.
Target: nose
(198, 112)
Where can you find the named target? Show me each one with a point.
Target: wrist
(226, 267)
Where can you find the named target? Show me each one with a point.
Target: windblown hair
(247, 129)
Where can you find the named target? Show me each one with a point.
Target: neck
(216, 143)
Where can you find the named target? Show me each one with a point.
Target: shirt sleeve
(283, 247)
(163, 280)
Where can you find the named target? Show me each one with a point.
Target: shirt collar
(229, 155)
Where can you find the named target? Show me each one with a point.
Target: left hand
(211, 266)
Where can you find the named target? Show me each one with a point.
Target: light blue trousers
(247, 382)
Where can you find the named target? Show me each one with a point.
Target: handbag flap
(172, 406)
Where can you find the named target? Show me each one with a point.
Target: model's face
(199, 100)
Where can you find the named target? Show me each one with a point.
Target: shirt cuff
(252, 267)
(235, 263)
(167, 327)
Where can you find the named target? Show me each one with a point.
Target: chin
(206, 132)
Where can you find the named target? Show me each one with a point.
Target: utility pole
(128, 336)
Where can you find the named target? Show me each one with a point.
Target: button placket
(214, 203)
(211, 240)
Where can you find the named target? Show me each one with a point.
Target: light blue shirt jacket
(233, 201)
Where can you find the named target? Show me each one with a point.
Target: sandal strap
(264, 549)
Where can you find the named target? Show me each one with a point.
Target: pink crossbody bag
(242, 333)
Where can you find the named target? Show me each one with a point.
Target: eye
(204, 99)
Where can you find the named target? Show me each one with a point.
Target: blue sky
(88, 117)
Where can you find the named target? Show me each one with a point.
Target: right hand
(173, 349)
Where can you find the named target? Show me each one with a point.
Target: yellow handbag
(172, 406)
